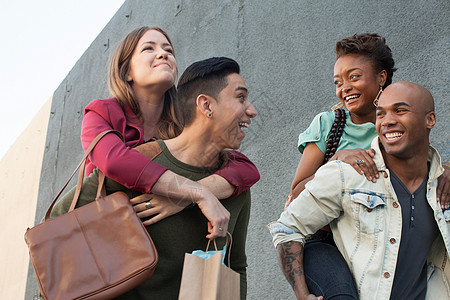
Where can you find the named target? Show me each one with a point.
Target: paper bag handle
(226, 243)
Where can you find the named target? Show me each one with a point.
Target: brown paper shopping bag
(208, 279)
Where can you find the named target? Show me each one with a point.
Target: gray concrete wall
(285, 49)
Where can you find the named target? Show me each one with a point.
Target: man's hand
(313, 297)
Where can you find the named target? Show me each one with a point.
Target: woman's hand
(218, 216)
(361, 160)
(443, 188)
(155, 206)
(159, 207)
(174, 186)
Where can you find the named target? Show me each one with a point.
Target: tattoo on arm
(290, 256)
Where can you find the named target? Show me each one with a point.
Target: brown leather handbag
(98, 251)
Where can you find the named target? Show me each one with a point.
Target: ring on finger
(148, 205)
(360, 161)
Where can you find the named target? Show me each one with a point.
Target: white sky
(40, 43)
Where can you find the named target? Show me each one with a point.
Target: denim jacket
(366, 221)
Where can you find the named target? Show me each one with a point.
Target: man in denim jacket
(392, 233)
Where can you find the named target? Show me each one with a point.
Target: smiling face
(152, 64)
(357, 83)
(232, 112)
(405, 116)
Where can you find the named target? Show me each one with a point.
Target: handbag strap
(101, 191)
(82, 164)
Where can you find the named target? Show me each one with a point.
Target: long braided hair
(335, 134)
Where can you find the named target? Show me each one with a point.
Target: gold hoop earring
(375, 101)
(337, 106)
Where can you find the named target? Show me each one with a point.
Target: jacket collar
(436, 168)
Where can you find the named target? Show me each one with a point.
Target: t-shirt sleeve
(317, 132)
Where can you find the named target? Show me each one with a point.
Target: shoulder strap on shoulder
(151, 149)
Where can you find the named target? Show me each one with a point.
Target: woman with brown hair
(142, 79)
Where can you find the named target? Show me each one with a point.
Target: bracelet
(447, 164)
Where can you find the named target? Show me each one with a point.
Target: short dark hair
(203, 77)
(372, 46)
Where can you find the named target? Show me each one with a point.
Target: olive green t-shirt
(178, 234)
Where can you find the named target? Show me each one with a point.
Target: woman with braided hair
(364, 67)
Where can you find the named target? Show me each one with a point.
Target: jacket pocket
(369, 211)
